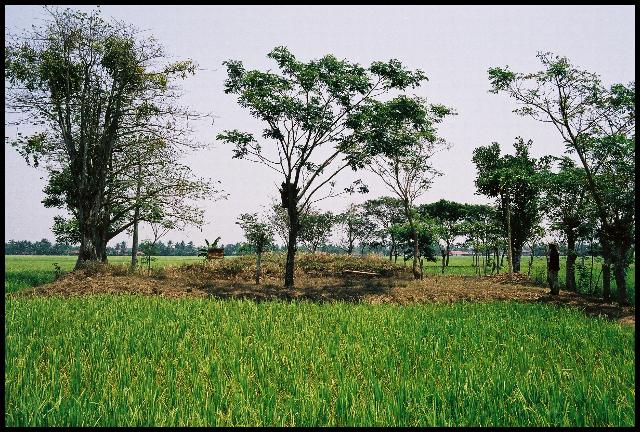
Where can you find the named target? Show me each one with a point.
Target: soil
(401, 289)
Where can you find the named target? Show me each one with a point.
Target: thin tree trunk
(136, 219)
(416, 253)
(570, 273)
(509, 242)
(134, 246)
(530, 262)
(591, 272)
(606, 268)
(414, 233)
(448, 248)
(258, 263)
(606, 281)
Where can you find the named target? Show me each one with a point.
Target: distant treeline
(182, 248)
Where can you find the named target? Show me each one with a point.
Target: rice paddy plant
(136, 361)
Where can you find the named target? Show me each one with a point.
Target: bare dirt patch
(317, 285)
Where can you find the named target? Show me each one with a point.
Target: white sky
(453, 45)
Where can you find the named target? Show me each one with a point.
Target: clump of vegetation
(317, 264)
(259, 235)
(211, 247)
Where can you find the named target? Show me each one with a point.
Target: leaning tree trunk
(570, 277)
(448, 249)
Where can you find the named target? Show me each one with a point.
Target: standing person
(553, 266)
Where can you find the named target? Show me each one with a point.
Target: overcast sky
(453, 45)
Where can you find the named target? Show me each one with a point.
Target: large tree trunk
(391, 248)
(570, 278)
(89, 236)
(291, 243)
(101, 247)
(619, 270)
(516, 256)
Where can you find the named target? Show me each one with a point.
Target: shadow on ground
(398, 289)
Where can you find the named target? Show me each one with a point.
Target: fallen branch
(360, 272)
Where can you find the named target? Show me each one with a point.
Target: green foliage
(565, 199)
(315, 228)
(449, 215)
(515, 180)
(428, 232)
(321, 100)
(258, 234)
(97, 92)
(598, 124)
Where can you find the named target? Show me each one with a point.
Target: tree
(90, 85)
(315, 228)
(308, 111)
(355, 227)
(513, 180)
(450, 215)
(596, 123)
(408, 172)
(385, 211)
(483, 228)
(566, 204)
(426, 230)
(258, 234)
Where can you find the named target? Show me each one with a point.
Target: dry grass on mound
(319, 277)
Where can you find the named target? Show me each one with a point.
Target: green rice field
(141, 361)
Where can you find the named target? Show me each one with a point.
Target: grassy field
(151, 361)
(25, 271)
(589, 282)
(134, 360)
